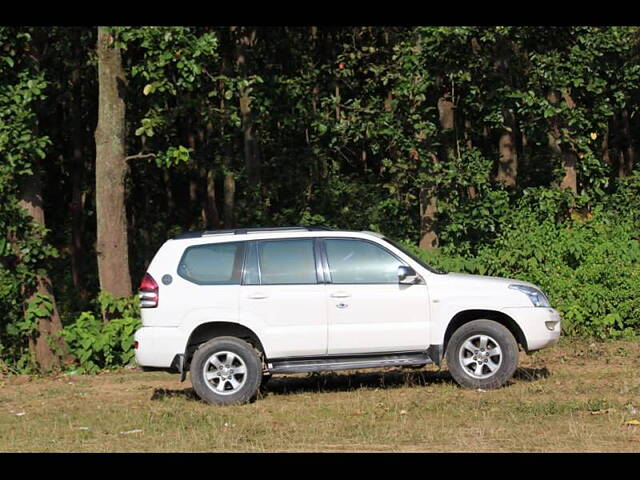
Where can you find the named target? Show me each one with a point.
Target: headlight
(538, 298)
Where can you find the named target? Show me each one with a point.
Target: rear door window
(290, 261)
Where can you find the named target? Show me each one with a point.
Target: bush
(98, 345)
(588, 265)
(589, 268)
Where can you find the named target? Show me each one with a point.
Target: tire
(226, 371)
(482, 354)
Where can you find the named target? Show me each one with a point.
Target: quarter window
(212, 264)
(356, 261)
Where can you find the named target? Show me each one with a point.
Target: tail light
(149, 292)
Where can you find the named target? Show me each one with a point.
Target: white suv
(236, 306)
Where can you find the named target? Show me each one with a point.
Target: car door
(368, 309)
(283, 295)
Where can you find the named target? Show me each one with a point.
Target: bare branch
(139, 156)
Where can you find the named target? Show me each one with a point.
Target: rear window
(212, 264)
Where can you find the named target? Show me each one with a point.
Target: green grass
(576, 396)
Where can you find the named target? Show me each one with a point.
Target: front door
(368, 310)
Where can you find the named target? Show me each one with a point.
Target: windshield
(413, 257)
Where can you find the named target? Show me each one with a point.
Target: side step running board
(349, 363)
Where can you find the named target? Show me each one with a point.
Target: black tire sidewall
(507, 344)
(247, 392)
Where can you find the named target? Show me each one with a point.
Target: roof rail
(244, 231)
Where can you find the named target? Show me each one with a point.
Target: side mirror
(407, 275)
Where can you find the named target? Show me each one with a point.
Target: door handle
(340, 295)
(257, 296)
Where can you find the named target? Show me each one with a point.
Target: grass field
(576, 396)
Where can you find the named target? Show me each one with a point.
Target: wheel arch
(206, 331)
(466, 316)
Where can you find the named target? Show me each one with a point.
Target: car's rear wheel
(482, 354)
(225, 371)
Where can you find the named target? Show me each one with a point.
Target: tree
(24, 250)
(111, 168)
(47, 348)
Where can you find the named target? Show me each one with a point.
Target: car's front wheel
(482, 354)
(225, 371)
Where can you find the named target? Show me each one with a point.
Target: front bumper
(533, 322)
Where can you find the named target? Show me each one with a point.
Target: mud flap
(181, 369)
(177, 366)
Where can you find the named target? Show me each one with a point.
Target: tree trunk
(194, 173)
(77, 195)
(43, 354)
(569, 158)
(471, 189)
(209, 211)
(168, 187)
(229, 184)
(570, 179)
(112, 246)
(212, 218)
(627, 159)
(606, 154)
(317, 57)
(617, 146)
(428, 193)
(565, 153)
(508, 161)
(446, 115)
(428, 210)
(250, 142)
(76, 212)
(229, 200)
(193, 198)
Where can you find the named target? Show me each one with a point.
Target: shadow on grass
(337, 382)
(531, 374)
(342, 382)
(164, 393)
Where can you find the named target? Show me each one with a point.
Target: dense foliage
(98, 345)
(507, 151)
(586, 264)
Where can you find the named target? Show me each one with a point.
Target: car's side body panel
(377, 318)
(324, 318)
(290, 320)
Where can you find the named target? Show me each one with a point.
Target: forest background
(508, 151)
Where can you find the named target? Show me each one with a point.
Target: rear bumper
(159, 346)
(534, 323)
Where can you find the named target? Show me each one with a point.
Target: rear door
(368, 309)
(282, 294)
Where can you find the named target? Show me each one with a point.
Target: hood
(482, 280)
(478, 290)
